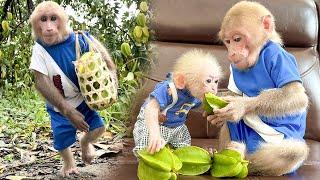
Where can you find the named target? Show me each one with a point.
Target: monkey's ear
(179, 81)
(267, 22)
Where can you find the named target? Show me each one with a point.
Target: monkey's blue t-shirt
(177, 115)
(64, 54)
(274, 69)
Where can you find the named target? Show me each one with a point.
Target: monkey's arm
(51, 94)
(289, 99)
(152, 110)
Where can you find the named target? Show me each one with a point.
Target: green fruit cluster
(5, 26)
(143, 6)
(229, 163)
(9, 16)
(141, 19)
(1, 54)
(141, 32)
(162, 165)
(125, 49)
(83, 66)
(195, 160)
(212, 102)
(3, 74)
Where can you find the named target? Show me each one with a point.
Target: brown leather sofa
(181, 25)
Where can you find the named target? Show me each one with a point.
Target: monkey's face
(207, 82)
(240, 49)
(244, 43)
(48, 28)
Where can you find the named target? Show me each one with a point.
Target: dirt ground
(45, 163)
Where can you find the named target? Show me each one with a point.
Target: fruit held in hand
(212, 102)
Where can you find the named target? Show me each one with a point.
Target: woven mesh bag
(97, 83)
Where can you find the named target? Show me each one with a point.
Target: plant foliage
(112, 22)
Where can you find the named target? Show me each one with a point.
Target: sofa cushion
(199, 21)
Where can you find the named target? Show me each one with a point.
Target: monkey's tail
(278, 159)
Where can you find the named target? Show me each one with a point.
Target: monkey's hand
(77, 120)
(156, 142)
(47, 89)
(235, 110)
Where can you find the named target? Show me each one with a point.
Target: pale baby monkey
(162, 117)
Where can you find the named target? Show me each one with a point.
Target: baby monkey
(163, 115)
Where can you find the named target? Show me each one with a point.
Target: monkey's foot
(66, 171)
(88, 152)
(240, 147)
(211, 151)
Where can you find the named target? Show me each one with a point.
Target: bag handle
(92, 46)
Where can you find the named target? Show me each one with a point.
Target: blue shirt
(274, 69)
(177, 115)
(64, 54)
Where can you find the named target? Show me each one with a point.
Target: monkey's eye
(43, 18)
(216, 81)
(227, 41)
(53, 18)
(208, 81)
(237, 39)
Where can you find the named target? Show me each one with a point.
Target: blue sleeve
(160, 93)
(284, 69)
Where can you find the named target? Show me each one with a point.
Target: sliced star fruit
(212, 102)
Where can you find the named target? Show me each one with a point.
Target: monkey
(55, 78)
(266, 122)
(162, 117)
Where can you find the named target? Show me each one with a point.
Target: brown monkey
(268, 123)
(55, 78)
(162, 117)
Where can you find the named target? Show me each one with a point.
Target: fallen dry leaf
(107, 149)
(16, 177)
